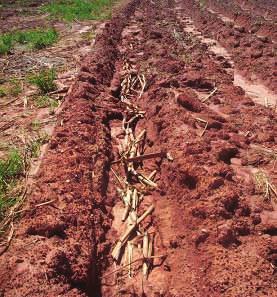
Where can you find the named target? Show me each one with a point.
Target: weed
(46, 101)
(36, 125)
(5, 43)
(2, 92)
(186, 57)
(10, 169)
(37, 39)
(34, 39)
(88, 36)
(5, 203)
(44, 80)
(70, 10)
(12, 88)
(264, 184)
(42, 101)
(15, 87)
(33, 147)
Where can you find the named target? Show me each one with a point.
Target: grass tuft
(46, 101)
(34, 39)
(33, 147)
(264, 184)
(6, 43)
(70, 10)
(37, 39)
(10, 169)
(44, 80)
(3, 92)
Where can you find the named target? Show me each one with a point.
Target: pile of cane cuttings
(136, 244)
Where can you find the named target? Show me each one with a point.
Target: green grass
(36, 125)
(6, 43)
(34, 39)
(70, 10)
(15, 88)
(35, 145)
(10, 169)
(46, 101)
(44, 80)
(12, 88)
(2, 92)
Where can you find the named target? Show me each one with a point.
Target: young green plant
(44, 80)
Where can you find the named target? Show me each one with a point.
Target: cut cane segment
(145, 248)
(130, 258)
(124, 238)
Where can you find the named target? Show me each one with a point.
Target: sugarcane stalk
(133, 217)
(161, 154)
(130, 258)
(141, 135)
(123, 239)
(134, 261)
(145, 247)
(125, 213)
(152, 174)
(150, 247)
(135, 199)
(146, 181)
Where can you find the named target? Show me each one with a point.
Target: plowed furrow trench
(197, 150)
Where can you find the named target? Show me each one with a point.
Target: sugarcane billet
(122, 241)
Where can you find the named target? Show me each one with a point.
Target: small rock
(201, 237)
(226, 235)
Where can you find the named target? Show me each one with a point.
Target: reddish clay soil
(22, 15)
(253, 49)
(255, 19)
(213, 223)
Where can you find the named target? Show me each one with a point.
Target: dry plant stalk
(206, 125)
(134, 261)
(123, 239)
(131, 150)
(210, 95)
(145, 247)
(146, 181)
(9, 239)
(263, 183)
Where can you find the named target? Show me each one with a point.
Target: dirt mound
(57, 245)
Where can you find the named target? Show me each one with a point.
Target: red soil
(252, 49)
(218, 232)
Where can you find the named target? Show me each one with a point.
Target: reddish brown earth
(28, 12)
(212, 222)
(253, 49)
(258, 19)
